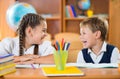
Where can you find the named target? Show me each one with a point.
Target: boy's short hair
(96, 24)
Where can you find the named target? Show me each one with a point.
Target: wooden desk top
(90, 73)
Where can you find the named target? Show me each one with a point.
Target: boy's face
(39, 33)
(87, 37)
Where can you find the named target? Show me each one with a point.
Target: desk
(90, 73)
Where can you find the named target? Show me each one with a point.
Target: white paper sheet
(27, 66)
(86, 65)
(90, 65)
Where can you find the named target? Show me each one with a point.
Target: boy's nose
(80, 36)
(45, 34)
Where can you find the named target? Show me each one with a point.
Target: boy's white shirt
(96, 59)
(11, 45)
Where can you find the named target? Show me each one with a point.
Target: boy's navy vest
(106, 56)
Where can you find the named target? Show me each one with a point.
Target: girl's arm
(21, 58)
(24, 58)
(49, 59)
(34, 59)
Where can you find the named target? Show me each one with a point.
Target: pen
(62, 43)
(65, 47)
(58, 45)
(68, 46)
(33, 66)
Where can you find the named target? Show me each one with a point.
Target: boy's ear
(28, 31)
(98, 34)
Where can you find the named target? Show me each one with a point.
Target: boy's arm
(80, 58)
(115, 55)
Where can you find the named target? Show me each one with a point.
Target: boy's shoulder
(110, 46)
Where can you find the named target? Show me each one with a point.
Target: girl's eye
(84, 33)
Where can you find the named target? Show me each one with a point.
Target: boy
(93, 34)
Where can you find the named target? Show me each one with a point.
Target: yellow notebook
(7, 69)
(69, 71)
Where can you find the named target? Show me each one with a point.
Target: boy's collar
(103, 49)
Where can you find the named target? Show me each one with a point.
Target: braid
(36, 50)
(21, 43)
(21, 36)
(29, 20)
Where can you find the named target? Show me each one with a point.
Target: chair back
(75, 42)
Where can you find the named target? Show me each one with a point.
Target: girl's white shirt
(11, 45)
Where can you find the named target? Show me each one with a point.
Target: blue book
(6, 55)
(73, 10)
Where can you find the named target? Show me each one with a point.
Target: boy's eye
(82, 33)
(44, 31)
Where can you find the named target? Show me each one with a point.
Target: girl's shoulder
(9, 40)
(46, 43)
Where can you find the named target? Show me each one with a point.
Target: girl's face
(38, 33)
(87, 37)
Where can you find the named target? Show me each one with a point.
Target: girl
(29, 47)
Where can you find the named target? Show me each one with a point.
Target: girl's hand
(25, 62)
(25, 58)
(21, 58)
(32, 56)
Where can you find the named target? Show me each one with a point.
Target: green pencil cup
(60, 59)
